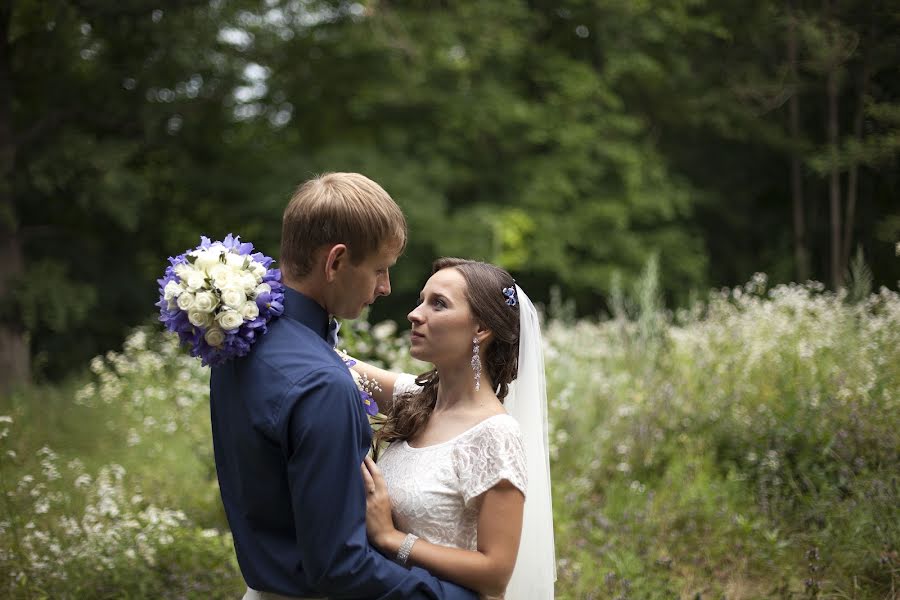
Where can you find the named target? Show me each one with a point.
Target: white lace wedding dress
(436, 490)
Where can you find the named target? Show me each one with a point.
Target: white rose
(206, 259)
(182, 270)
(263, 288)
(233, 297)
(196, 280)
(219, 273)
(231, 279)
(230, 320)
(248, 281)
(250, 310)
(185, 301)
(235, 260)
(205, 302)
(172, 290)
(215, 337)
(199, 318)
(257, 269)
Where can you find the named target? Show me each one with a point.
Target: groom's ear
(334, 261)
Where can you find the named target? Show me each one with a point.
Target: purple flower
(363, 384)
(369, 403)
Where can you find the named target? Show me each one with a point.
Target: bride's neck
(456, 388)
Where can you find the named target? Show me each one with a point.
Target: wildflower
(97, 365)
(384, 330)
(134, 437)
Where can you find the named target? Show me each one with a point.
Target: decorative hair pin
(511, 297)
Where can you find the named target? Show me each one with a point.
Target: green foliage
(49, 298)
(88, 470)
(567, 143)
(745, 447)
(765, 427)
(859, 279)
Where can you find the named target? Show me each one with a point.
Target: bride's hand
(379, 523)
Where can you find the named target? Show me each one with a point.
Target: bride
(463, 488)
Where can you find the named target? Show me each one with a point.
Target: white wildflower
(134, 438)
(384, 330)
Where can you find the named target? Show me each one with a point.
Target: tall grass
(745, 448)
(109, 485)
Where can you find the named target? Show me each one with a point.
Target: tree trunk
(15, 366)
(801, 253)
(834, 183)
(853, 175)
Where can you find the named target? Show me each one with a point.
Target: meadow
(748, 447)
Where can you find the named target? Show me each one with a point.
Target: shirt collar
(307, 311)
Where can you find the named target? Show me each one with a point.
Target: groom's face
(357, 286)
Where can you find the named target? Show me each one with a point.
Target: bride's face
(442, 324)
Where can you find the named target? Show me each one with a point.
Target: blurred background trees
(568, 141)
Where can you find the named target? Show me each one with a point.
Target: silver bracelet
(406, 548)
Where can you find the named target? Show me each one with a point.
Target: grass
(746, 448)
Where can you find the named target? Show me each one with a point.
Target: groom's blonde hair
(338, 208)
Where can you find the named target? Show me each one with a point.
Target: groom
(289, 427)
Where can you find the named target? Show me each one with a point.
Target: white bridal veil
(535, 572)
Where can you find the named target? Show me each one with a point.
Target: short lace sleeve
(405, 384)
(492, 453)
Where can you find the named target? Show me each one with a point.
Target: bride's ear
(483, 334)
(334, 260)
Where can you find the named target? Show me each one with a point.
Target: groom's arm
(324, 435)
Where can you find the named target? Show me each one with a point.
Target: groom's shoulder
(292, 351)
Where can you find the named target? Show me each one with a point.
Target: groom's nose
(383, 286)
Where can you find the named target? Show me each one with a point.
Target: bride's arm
(486, 570)
(384, 395)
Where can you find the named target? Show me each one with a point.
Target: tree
(569, 143)
(93, 153)
(14, 355)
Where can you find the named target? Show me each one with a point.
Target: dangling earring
(476, 363)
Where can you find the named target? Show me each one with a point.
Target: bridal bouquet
(219, 297)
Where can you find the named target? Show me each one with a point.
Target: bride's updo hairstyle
(484, 292)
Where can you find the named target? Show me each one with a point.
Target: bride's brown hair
(484, 291)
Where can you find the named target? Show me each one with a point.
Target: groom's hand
(379, 522)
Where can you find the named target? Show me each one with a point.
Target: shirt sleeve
(493, 453)
(405, 384)
(325, 445)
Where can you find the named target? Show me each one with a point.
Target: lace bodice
(436, 490)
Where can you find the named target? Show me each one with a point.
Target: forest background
(567, 141)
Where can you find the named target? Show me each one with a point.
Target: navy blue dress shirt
(290, 432)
